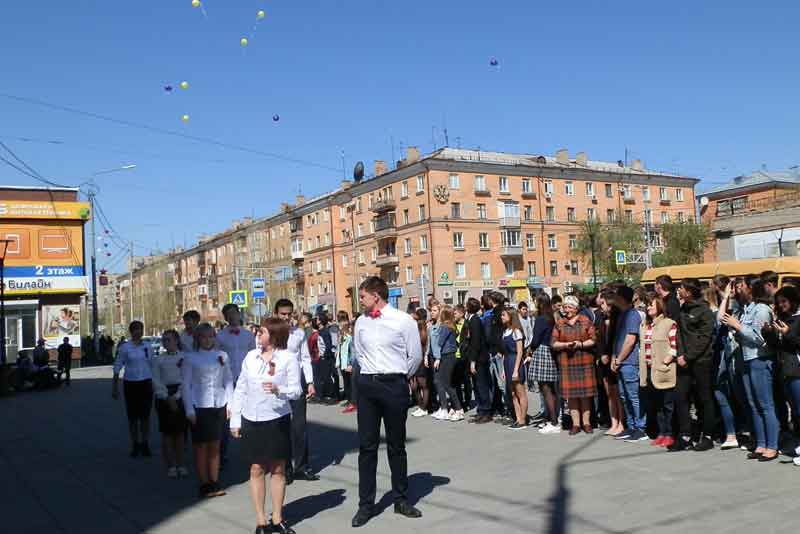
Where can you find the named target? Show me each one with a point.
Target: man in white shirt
(190, 321)
(298, 468)
(389, 351)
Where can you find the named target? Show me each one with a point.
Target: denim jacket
(434, 346)
(753, 318)
(447, 341)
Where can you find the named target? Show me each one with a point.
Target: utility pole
(92, 191)
(594, 265)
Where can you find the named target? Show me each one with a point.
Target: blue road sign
(238, 297)
(259, 290)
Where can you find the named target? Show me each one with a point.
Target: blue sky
(707, 89)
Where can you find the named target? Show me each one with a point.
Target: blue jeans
(629, 395)
(758, 377)
(731, 399)
(793, 392)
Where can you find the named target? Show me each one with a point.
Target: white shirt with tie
(388, 343)
(135, 358)
(236, 342)
(207, 380)
(298, 347)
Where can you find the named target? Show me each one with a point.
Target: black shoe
(264, 529)
(282, 528)
(145, 448)
(405, 509)
(362, 516)
(539, 418)
(769, 458)
(135, 450)
(307, 475)
(704, 444)
(203, 491)
(754, 456)
(681, 444)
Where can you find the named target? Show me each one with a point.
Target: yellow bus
(788, 269)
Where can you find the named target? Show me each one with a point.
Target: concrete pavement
(65, 468)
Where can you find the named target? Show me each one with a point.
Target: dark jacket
(325, 334)
(696, 328)
(788, 348)
(64, 353)
(493, 330)
(472, 340)
(542, 330)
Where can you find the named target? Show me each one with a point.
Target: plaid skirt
(542, 367)
(577, 375)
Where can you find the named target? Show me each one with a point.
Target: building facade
(754, 216)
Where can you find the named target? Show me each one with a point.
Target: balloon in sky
(493, 62)
(184, 85)
(276, 117)
(243, 41)
(195, 3)
(185, 118)
(260, 15)
(168, 88)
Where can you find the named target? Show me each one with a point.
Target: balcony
(511, 251)
(297, 254)
(509, 222)
(387, 260)
(529, 195)
(384, 205)
(482, 191)
(385, 226)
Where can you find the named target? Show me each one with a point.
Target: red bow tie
(235, 331)
(375, 314)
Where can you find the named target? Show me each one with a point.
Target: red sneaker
(658, 442)
(350, 408)
(667, 441)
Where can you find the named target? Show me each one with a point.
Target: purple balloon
(168, 88)
(493, 62)
(276, 117)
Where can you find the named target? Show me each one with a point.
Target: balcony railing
(511, 222)
(482, 191)
(387, 260)
(511, 250)
(384, 205)
(385, 226)
(744, 207)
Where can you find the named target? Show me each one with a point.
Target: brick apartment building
(451, 224)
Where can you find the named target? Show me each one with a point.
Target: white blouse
(298, 346)
(251, 401)
(206, 380)
(136, 360)
(167, 372)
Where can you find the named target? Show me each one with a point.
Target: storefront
(458, 291)
(515, 290)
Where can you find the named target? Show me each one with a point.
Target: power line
(30, 171)
(165, 131)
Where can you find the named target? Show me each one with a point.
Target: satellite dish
(358, 172)
(704, 201)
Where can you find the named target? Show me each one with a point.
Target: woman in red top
(573, 337)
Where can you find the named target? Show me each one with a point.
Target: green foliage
(608, 238)
(684, 243)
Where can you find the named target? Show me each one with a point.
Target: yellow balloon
(260, 14)
(184, 85)
(195, 3)
(185, 118)
(244, 41)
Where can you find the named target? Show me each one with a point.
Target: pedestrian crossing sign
(238, 297)
(620, 257)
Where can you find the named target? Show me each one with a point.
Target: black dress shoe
(769, 458)
(134, 450)
(264, 529)
(307, 475)
(362, 516)
(754, 455)
(405, 509)
(282, 528)
(145, 448)
(704, 444)
(681, 444)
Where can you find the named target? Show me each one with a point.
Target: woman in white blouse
(137, 384)
(169, 407)
(207, 386)
(260, 415)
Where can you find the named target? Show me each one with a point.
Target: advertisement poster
(60, 321)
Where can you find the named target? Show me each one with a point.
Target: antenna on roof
(446, 138)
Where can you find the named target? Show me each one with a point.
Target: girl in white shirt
(207, 386)
(261, 416)
(169, 407)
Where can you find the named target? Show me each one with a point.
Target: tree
(684, 243)
(605, 239)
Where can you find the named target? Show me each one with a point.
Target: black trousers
(326, 369)
(347, 379)
(444, 382)
(699, 375)
(299, 435)
(65, 365)
(354, 383)
(382, 398)
(483, 388)
(462, 381)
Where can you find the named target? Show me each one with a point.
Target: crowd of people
(632, 363)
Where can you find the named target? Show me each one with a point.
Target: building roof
(790, 176)
(38, 188)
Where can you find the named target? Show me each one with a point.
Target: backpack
(313, 347)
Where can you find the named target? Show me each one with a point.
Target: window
(455, 210)
(344, 260)
(626, 191)
(508, 209)
(420, 184)
(609, 191)
(571, 215)
(527, 213)
(526, 186)
(553, 268)
(328, 264)
(679, 194)
(319, 289)
(316, 240)
(325, 216)
(589, 189)
(663, 193)
(426, 271)
(610, 216)
(548, 187)
(646, 193)
(573, 241)
(509, 266)
(404, 190)
(591, 214)
(312, 290)
(374, 254)
(407, 247)
(361, 257)
(358, 205)
(309, 244)
(327, 238)
(681, 217)
(423, 243)
(372, 227)
(458, 240)
(531, 268)
(480, 183)
(510, 238)
(530, 241)
(569, 189)
(409, 274)
(461, 270)
(481, 211)
(573, 267)
(455, 181)
(551, 242)
(421, 212)
(406, 219)
(628, 216)
(483, 241)
(664, 217)
(486, 271)
(342, 212)
(550, 212)
(360, 230)
(370, 201)
(503, 181)
(648, 216)
(319, 266)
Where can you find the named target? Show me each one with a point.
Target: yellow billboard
(27, 209)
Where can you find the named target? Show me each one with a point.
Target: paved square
(65, 468)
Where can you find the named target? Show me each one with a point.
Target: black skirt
(138, 398)
(171, 421)
(264, 442)
(210, 425)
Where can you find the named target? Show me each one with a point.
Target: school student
(137, 385)
(169, 406)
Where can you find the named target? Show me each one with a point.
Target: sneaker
(668, 442)
(451, 413)
(681, 444)
(182, 471)
(419, 412)
(350, 408)
(172, 472)
(635, 436)
(797, 451)
(658, 441)
(550, 428)
(625, 434)
(796, 461)
(457, 416)
(439, 414)
(516, 426)
(729, 444)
